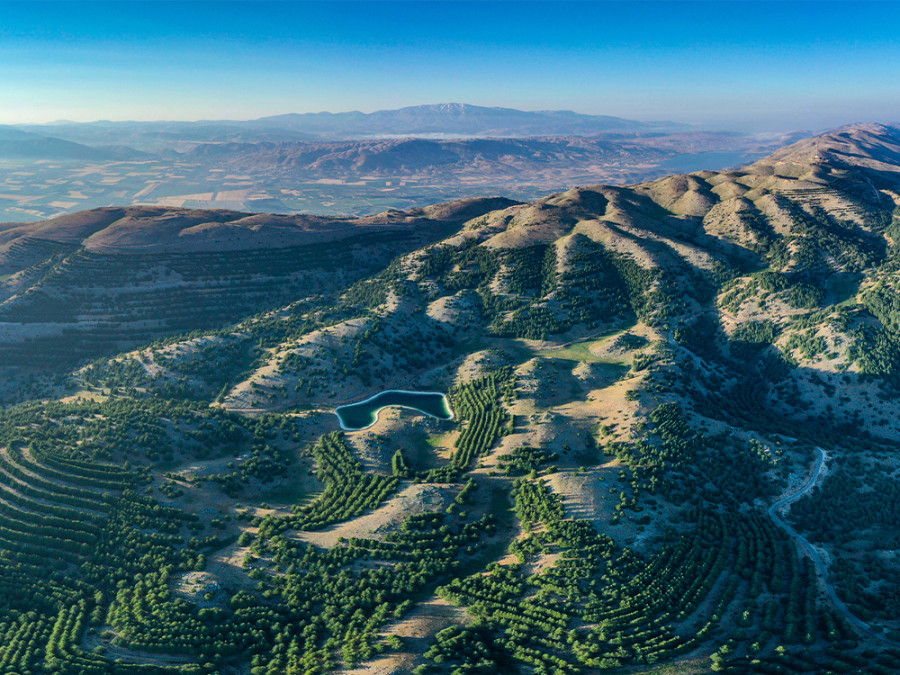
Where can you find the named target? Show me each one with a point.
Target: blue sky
(757, 65)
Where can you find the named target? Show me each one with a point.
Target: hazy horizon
(723, 126)
(740, 65)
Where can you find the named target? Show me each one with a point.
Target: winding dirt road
(814, 555)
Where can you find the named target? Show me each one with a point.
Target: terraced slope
(641, 377)
(98, 282)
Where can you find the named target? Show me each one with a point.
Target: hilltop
(144, 229)
(676, 431)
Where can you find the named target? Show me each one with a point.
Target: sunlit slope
(755, 256)
(92, 283)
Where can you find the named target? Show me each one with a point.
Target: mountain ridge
(465, 119)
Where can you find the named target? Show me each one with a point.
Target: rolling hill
(675, 440)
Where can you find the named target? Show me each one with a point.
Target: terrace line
(364, 414)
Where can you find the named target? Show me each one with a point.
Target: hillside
(499, 158)
(675, 439)
(79, 286)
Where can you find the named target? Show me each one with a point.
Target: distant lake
(364, 414)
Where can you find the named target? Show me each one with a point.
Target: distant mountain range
(18, 144)
(442, 122)
(447, 120)
(459, 119)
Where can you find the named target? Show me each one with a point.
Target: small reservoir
(364, 414)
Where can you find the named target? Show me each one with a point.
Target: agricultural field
(31, 190)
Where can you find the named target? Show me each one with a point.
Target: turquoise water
(364, 414)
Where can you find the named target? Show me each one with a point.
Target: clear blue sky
(735, 64)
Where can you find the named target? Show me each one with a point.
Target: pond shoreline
(445, 401)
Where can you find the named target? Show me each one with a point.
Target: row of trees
(349, 490)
